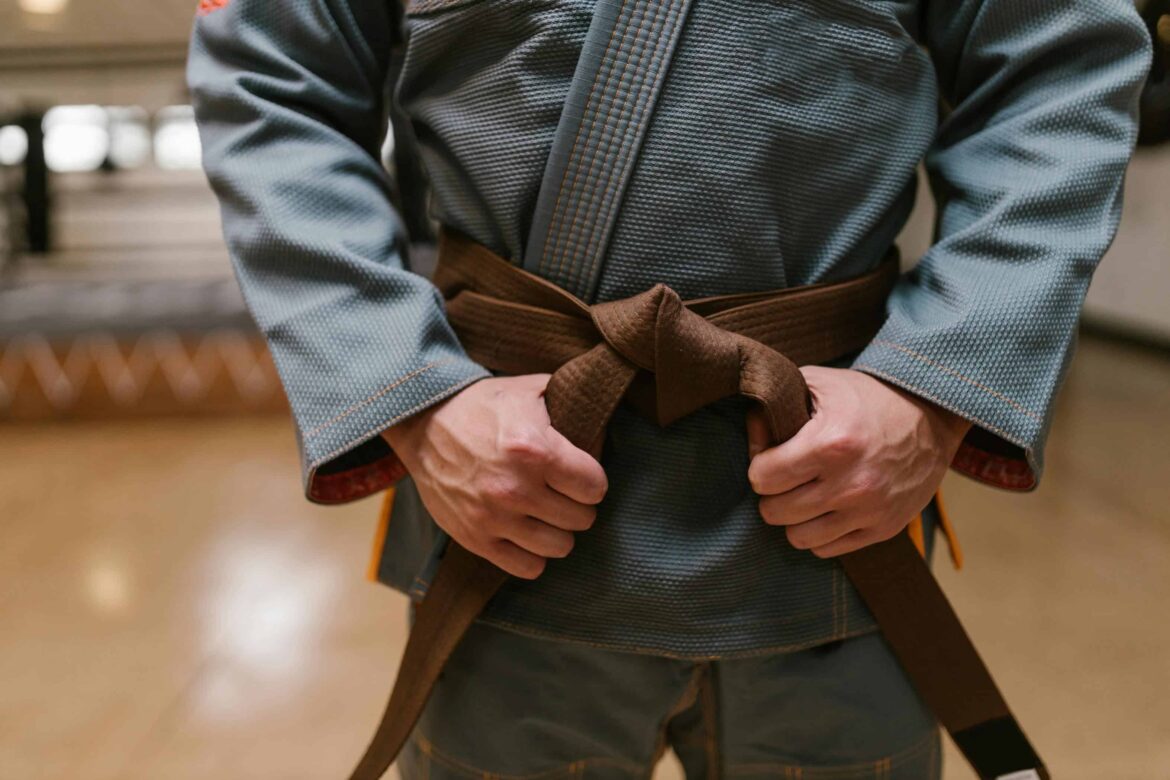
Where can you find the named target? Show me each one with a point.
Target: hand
(497, 477)
(868, 462)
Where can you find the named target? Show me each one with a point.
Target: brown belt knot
(666, 357)
(686, 362)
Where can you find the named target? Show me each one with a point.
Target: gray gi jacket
(782, 151)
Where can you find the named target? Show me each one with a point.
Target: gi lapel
(623, 65)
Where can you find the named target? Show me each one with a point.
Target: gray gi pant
(512, 705)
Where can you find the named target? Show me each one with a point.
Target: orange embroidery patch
(207, 6)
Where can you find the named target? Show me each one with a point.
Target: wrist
(954, 424)
(406, 436)
(403, 435)
(950, 425)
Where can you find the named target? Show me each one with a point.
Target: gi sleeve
(1027, 169)
(290, 100)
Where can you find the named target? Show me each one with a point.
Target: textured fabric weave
(781, 151)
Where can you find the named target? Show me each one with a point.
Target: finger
(850, 542)
(514, 559)
(798, 505)
(538, 537)
(560, 511)
(759, 435)
(823, 530)
(574, 472)
(786, 466)
(772, 473)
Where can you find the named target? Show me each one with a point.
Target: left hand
(868, 462)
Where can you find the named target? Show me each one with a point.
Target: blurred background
(170, 606)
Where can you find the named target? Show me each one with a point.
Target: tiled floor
(171, 609)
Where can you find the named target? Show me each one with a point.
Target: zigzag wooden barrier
(100, 374)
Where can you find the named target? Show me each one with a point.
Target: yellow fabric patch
(917, 535)
(380, 535)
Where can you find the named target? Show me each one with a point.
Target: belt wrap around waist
(667, 358)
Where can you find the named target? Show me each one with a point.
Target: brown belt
(668, 358)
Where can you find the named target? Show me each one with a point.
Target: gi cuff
(345, 458)
(1003, 449)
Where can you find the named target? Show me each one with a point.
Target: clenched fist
(497, 477)
(868, 462)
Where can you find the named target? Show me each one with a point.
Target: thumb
(538, 382)
(759, 435)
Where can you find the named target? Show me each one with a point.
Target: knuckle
(503, 491)
(525, 445)
(866, 484)
(479, 521)
(861, 489)
(768, 512)
(470, 540)
(841, 443)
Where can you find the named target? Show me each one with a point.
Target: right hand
(497, 477)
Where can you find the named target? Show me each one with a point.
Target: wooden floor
(170, 608)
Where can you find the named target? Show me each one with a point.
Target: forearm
(291, 117)
(1027, 171)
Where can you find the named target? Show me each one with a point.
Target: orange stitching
(927, 745)
(370, 399)
(944, 404)
(432, 752)
(685, 701)
(917, 355)
(343, 448)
